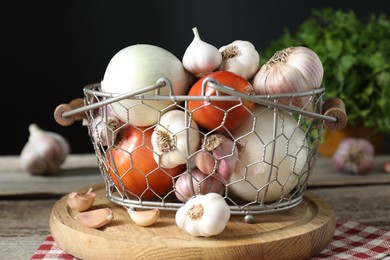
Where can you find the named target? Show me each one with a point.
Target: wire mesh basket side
(282, 168)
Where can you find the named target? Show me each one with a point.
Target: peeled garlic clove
(201, 58)
(81, 202)
(144, 218)
(95, 218)
(241, 58)
(44, 151)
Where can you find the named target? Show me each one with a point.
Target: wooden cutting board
(296, 233)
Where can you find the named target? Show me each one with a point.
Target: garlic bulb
(201, 58)
(169, 139)
(290, 70)
(354, 156)
(44, 151)
(204, 215)
(240, 57)
(219, 155)
(105, 126)
(201, 183)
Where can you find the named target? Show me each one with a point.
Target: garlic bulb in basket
(290, 70)
(241, 58)
(201, 58)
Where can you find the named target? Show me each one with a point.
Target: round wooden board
(296, 233)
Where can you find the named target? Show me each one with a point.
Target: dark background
(52, 49)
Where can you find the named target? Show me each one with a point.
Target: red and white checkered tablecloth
(351, 240)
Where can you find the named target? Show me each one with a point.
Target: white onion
(138, 66)
(253, 168)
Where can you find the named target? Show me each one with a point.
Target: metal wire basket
(286, 183)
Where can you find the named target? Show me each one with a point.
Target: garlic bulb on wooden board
(201, 58)
(290, 70)
(241, 58)
(44, 151)
(204, 215)
(354, 156)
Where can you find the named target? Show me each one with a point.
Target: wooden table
(26, 201)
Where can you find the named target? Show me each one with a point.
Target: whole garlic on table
(44, 151)
(354, 156)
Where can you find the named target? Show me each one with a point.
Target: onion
(138, 66)
(268, 168)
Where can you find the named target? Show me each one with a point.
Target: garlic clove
(201, 58)
(144, 218)
(81, 202)
(95, 218)
(44, 151)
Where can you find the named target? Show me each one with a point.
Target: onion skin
(133, 161)
(354, 156)
(256, 160)
(221, 115)
(138, 66)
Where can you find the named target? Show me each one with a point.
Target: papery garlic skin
(241, 58)
(201, 58)
(218, 156)
(44, 151)
(144, 218)
(202, 184)
(354, 156)
(104, 126)
(290, 70)
(204, 215)
(96, 218)
(169, 139)
(81, 202)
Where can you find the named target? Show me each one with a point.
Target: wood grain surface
(305, 230)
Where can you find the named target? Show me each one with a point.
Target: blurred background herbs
(355, 53)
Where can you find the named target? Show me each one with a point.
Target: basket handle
(72, 105)
(334, 117)
(335, 108)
